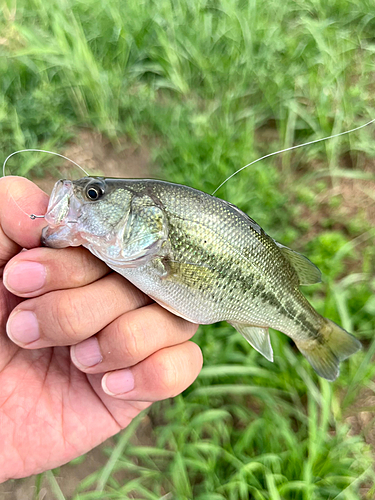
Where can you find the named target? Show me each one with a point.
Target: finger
(20, 197)
(41, 270)
(130, 339)
(70, 316)
(163, 375)
(7, 348)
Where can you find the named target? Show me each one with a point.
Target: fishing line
(33, 216)
(290, 149)
(42, 151)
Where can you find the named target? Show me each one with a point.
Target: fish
(199, 257)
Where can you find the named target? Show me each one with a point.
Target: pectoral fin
(193, 275)
(258, 337)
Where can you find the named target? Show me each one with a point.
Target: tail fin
(333, 345)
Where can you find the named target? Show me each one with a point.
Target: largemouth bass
(199, 257)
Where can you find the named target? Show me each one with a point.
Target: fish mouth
(59, 203)
(62, 217)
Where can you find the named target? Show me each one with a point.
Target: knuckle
(134, 342)
(67, 315)
(83, 267)
(168, 375)
(78, 276)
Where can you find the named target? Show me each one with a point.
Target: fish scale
(201, 258)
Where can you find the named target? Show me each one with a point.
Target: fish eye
(95, 192)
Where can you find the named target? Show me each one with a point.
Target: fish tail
(333, 345)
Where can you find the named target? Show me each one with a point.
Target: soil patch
(361, 416)
(98, 156)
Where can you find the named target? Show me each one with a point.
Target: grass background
(208, 86)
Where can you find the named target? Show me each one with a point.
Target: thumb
(19, 198)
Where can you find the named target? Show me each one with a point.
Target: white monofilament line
(290, 149)
(33, 216)
(42, 151)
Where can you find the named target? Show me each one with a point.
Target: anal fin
(258, 337)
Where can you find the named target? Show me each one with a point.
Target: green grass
(209, 86)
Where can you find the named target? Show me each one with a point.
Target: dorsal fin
(307, 272)
(251, 221)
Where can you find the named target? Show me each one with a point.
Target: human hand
(55, 403)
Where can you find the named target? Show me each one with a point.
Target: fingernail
(119, 382)
(86, 353)
(25, 277)
(23, 328)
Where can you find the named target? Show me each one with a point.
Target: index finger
(20, 197)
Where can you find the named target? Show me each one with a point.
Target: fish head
(116, 219)
(91, 212)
